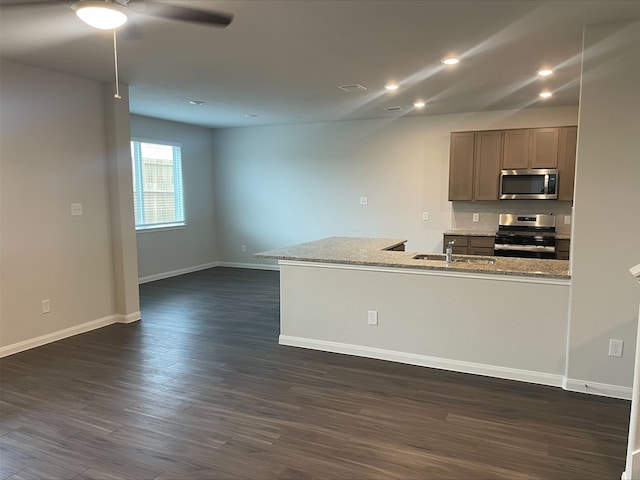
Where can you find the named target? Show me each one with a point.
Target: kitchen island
(368, 297)
(388, 252)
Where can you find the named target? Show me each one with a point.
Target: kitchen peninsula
(369, 297)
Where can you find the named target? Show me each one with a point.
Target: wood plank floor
(201, 389)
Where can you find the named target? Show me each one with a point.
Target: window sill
(163, 228)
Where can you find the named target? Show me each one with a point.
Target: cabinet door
(516, 149)
(488, 150)
(563, 247)
(459, 246)
(567, 140)
(544, 148)
(461, 166)
(481, 245)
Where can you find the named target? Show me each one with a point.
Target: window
(157, 185)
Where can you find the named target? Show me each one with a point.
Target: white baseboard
(129, 318)
(175, 273)
(253, 266)
(594, 388)
(205, 266)
(426, 361)
(59, 335)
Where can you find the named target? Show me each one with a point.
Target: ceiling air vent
(354, 87)
(392, 109)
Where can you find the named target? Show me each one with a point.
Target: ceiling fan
(109, 14)
(112, 14)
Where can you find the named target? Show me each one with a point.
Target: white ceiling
(284, 60)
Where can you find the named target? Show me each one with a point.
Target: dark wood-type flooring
(201, 389)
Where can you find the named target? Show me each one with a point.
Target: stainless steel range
(531, 236)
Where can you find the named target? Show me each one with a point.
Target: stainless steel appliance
(529, 184)
(529, 236)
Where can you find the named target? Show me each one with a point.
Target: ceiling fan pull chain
(115, 60)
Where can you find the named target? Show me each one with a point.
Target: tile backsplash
(488, 212)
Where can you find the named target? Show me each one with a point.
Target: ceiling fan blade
(30, 3)
(186, 14)
(129, 31)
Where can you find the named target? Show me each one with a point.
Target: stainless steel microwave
(529, 184)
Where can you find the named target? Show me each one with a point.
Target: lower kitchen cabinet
(562, 248)
(470, 244)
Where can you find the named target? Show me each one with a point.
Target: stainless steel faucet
(449, 253)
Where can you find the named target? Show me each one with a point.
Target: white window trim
(162, 226)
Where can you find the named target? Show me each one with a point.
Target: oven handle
(525, 248)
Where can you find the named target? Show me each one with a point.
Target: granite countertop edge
(375, 252)
(477, 233)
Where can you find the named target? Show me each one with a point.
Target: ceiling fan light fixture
(102, 15)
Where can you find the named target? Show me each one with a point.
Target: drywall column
(632, 470)
(606, 232)
(123, 233)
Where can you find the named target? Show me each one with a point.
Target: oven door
(524, 251)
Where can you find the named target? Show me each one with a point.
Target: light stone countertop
(477, 233)
(376, 252)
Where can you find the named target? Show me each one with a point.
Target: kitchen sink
(429, 256)
(456, 259)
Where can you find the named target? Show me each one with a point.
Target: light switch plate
(567, 219)
(425, 216)
(364, 200)
(476, 217)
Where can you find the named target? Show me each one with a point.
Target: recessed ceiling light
(545, 72)
(391, 86)
(419, 104)
(197, 103)
(546, 94)
(450, 60)
(251, 115)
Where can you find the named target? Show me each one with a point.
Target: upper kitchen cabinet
(474, 165)
(567, 140)
(530, 148)
(544, 148)
(461, 165)
(515, 148)
(486, 174)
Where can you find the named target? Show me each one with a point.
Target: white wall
(420, 322)
(282, 185)
(53, 153)
(185, 249)
(606, 228)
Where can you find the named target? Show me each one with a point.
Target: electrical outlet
(46, 306)
(476, 217)
(243, 249)
(567, 219)
(425, 216)
(364, 200)
(76, 209)
(615, 348)
(372, 317)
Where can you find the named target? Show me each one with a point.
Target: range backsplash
(462, 213)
